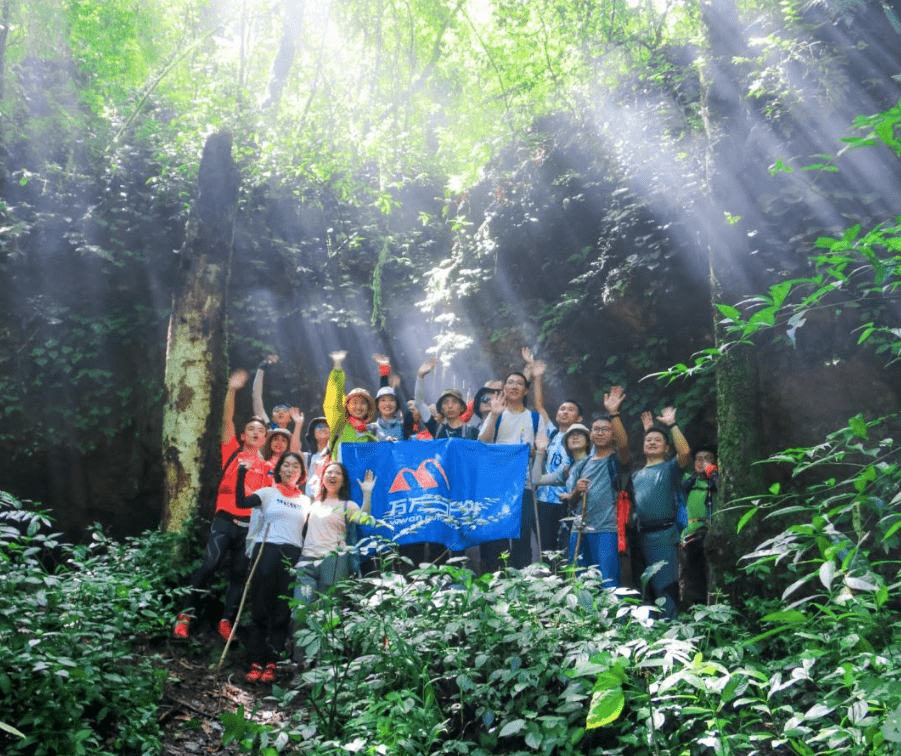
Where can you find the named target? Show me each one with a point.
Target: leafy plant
(69, 619)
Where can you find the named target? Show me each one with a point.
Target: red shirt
(258, 476)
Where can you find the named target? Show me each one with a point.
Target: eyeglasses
(514, 382)
(606, 429)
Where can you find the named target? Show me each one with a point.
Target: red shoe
(256, 672)
(268, 675)
(181, 627)
(225, 629)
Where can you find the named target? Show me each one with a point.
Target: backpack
(613, 469)
(622, 499)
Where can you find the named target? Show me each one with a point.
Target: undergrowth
(441, 662)
(538, 661)
(70, 617)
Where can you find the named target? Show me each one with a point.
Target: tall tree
(284, 58)
(195, 355)
(737, 385)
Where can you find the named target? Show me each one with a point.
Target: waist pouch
(654, 526)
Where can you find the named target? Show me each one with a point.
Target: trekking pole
(537, 525)
(581, 530)
(243, 599)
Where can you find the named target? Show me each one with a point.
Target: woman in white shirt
(285, 509)
(326, 553)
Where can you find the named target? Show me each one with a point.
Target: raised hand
(647, 421)
(427, 367)
(498, 404)
(296, 415)
(272, 359)
(541, 443)
(338, 357)
(381, 359)
(668, 416)
(613, 399)
(394, 380)
(526, 355)
(538, 368)
(237, 380)
(368, 483)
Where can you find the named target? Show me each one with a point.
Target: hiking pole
(537, 526)
(243, 599)
(581, 530)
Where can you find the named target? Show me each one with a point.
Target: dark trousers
(694, 570)
(270, 588)
(549, 522)
(647, 550)
(226, 539)
(520, 548)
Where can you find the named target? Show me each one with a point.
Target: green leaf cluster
(70, 617)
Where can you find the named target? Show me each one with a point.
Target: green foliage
(857, 272)
(74, 359)
(69, 619)
(532, 662)
(450, 663)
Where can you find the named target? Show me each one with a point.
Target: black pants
(226, 538)
(694, 571)
(520, 548)
(270, 589)
(549, 517)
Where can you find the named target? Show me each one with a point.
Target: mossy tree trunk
(195, 354)
(731, 205)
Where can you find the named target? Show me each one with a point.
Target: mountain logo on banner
(421, 476)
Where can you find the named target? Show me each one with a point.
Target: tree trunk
(737, 383)
(284, 58)
(195, 354)
(4, 37)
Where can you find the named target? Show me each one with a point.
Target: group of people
(277, 504)
(267, 515)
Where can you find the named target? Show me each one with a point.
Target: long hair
(277, 473)
(267, 447)
(344, 491)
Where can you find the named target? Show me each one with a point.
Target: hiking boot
(181, 627)
(268, 675)
(256, 672)
(225, 629)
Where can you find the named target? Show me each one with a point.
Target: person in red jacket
(228, 529)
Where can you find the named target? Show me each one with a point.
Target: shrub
(69, 618)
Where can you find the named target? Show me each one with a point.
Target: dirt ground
(195, 696)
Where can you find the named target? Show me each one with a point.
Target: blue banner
(455, 492)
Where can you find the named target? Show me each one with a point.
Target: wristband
(672, 425)
(613, 414)
(263, 365)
